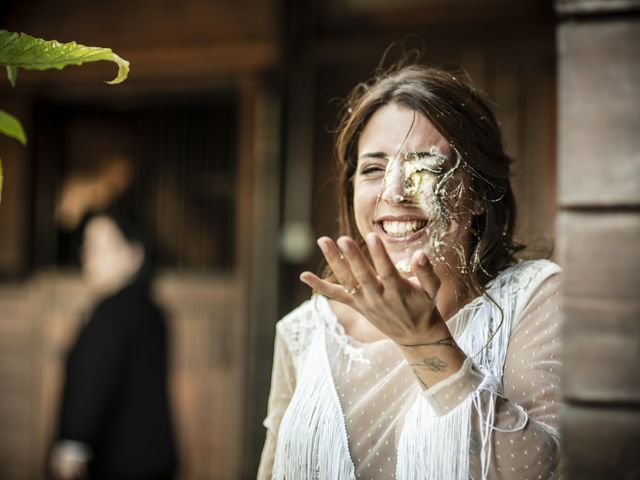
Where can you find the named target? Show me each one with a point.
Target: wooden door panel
(206, 372)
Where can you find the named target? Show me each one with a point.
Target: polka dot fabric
(374, 389)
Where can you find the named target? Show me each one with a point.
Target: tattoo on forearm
(432, 363)
(444, 342)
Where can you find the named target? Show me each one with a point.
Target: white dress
(340, 409)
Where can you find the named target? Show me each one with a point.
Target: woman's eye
(371, 169)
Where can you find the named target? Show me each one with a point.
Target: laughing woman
(427, 351)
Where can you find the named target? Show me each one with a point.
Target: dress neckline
(326, 312)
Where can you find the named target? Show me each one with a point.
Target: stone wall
(599, 234)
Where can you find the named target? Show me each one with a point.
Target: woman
(115, 420)
(428, 351)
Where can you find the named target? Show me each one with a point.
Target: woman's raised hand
(401, 308)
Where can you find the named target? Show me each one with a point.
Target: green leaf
(19, 50)
(11, 127)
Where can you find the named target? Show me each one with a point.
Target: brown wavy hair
(461, 114)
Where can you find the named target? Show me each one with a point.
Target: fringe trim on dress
(311, 445)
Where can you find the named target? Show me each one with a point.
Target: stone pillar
(599, 234)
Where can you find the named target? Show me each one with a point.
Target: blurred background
(222, 139)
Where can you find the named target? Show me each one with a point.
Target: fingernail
(371, 239)
(322, 243)
(422, 259)
(344, 244)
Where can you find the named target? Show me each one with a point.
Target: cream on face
(416, 188)
(421, 171)
(425, 182)
(417, 173)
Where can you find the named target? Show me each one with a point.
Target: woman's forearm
(434, 358)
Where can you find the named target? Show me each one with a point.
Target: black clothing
(115, 396)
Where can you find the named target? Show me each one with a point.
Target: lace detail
(356, 409)
(298, 330)
(518, 279)
(335, 329)
(505, 298)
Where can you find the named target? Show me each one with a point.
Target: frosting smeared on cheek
(421, 171)
(431, 182)
(425, 198)
(447, 215)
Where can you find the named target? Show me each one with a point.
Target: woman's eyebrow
(385, 156)
(380, 155)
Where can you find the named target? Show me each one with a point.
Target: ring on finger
(354, 290)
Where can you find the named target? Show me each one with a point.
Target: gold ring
(354, 290)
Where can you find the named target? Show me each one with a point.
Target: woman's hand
(403, 309)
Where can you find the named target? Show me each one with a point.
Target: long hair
(462, 116)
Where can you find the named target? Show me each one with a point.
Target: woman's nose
(393, 188)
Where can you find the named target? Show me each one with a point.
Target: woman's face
(108, 260)
(402, 160)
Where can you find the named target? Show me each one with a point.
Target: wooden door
(207, 367)
(211, 309)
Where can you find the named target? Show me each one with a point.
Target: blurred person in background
(114, 420)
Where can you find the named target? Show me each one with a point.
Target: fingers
(362, 270)
(328, 289)
(425, 274)
(353, 270)
(381, 260)
(337, 263)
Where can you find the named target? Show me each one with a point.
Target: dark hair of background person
(462, 116)
(134, 231)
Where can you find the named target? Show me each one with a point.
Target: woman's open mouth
(402, 230)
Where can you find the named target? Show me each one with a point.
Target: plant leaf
(19, 50)
(11, 127)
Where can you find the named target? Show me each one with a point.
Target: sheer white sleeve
(514, 420)
(357, 409)
(283, 382)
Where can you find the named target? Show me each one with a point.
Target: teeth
(402, 229)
